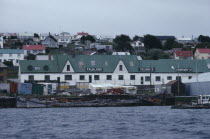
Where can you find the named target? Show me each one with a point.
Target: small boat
(202, 103)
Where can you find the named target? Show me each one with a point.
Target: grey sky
(107, 17)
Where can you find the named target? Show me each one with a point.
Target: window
(120, 68)
(37, 68)
(120, 77)
(132, 77)
(31, 77)
(82, 77)
(190, 77)
(34, 51)
(68, 77)
(96, 77)
(10, 55)
(18, 55)
(17, 61)
(169, 77)
(108, 77)
(1, 78)
(47, 77)
(157, 78)
(147, 78)
(68, 68)
(0, 60)
(93, 63)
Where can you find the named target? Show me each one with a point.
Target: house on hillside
(33, 49)
(13, 55)
(80, 35)
(138, 46)
(183, 55)
(63, 40)
(50, 42)
(202, 53)
(25, 35)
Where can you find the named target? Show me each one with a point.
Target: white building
(138, 46)
(113, 69)
(14, 55)
(185, 40)
(25, 35)
(202, 53)
(33, 49)
(1, 42)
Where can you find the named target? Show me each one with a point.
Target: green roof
(109, 62)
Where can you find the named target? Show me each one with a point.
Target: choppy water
(105, 123)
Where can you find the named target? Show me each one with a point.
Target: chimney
(49, 56)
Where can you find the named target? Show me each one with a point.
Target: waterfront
(105, 122)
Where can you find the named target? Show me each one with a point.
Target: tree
(155, 54)
(36, 35)
(8, 63)
(47, 51)
(151, 42)
(202, 38)
(203, 45)
(90, 38)
(168, 44)
(136, 37)
(31, 57)
(122, 43)
(177, 45)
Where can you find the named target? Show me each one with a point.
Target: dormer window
(68, 68)
(106, 63)
(120, 68)
(131, 63)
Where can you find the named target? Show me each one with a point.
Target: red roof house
(33, 47)
(183, 55)
(202, 53)
(82, 34)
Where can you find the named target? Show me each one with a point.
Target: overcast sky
(107, 17)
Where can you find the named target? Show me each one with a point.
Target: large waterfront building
(114, 69)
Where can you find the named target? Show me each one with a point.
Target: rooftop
(33, 47)
(184, 53)
(108, 63)
(203, 50)
(11, 51)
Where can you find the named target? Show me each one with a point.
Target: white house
(138, 46)
(183, 55)
(113, 69)
(33, 49)
(202, 53)
(14, 55)
(25, 35)
(1, 42)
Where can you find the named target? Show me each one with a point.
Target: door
(90, 78)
